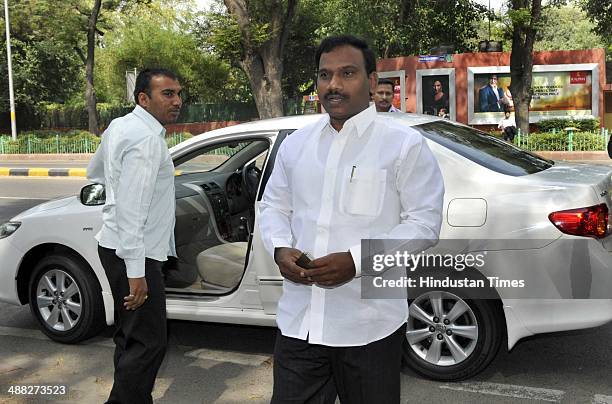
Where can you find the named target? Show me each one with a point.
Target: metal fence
(568, 141)
(62, 145)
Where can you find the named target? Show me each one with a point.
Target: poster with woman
(436, 92)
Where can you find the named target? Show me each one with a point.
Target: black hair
(386, 82)
(332, 42)
(143, 81)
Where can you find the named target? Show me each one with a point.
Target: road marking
(237, 358)
(21, 198)
(508, 390)
(601, 399)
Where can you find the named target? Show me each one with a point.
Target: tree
(255, 34)
(526, 20)
(567, 28)
(525, 16)
(159, 36)
(600, 12)
(45, 69)
(90, 91)
(400, 28)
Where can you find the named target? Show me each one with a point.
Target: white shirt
(376, 178)
(506, 123)
(134, 164)
(393, 109)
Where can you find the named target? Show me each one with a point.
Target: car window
(211, 158)
(486, 150)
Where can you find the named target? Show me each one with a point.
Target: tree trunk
(262, 63)
(521, 60)
(90, 91)
(265, 85)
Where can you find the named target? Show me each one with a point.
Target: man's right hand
(285, 258)
(138, 293)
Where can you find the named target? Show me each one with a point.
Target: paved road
(215, 363)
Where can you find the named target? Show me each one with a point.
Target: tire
(469, 336)
(77, 311)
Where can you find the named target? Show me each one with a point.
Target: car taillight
(587, 222)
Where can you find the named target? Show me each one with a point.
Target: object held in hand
(304, 260)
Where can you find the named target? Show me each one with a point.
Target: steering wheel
(250, 178)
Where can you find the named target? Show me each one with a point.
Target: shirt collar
(149, 120)
(359, 122)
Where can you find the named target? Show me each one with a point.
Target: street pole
(10, 70)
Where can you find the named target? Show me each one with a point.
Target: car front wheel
(449, 338)
(65, 299)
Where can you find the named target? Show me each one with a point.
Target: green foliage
(559, 124)
(600, 12)
(567, 28)
(405, 28)
(581, 141)
(151, 39)
(44, 68)
(51, 142)
(520, 17)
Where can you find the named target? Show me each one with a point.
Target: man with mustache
(137, 233)
(350, 176)
(383, 96)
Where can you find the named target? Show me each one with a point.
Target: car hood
(45, 206)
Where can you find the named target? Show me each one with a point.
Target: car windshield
(486, 150)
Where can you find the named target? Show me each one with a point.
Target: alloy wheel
(442, 328)
(58, 299)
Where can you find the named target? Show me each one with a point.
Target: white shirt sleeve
(275, 208)
(95, 168)
(140, 164)
(421, 191)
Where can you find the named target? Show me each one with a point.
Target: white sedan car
(494, 191)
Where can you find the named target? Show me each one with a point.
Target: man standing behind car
(137, 233)
(350, 176)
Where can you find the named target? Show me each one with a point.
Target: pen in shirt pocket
(352, 173)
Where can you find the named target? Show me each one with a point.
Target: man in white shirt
(508, 127)
(137, 233)
(353, 175)
(383, 96)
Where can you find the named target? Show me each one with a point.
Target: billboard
(435, 89)
(558, 91)
(399, 87)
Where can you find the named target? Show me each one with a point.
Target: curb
(42, 172)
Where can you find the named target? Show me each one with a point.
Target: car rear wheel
(65, 299)
(450, 338)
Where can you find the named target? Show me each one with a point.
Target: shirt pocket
(363, 191)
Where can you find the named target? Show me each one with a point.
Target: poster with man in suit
(491, 97)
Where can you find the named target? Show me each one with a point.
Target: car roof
(296, 122)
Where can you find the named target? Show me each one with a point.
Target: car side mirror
(93, 195)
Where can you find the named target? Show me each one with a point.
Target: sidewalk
(17, 164)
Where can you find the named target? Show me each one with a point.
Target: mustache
(335, 94)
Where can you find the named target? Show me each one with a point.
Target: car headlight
(8, 228)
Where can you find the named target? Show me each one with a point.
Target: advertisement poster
(399, 87)
(435, 95)
(555, 93)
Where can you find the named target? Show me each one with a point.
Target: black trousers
(140, 335)
(315, 374)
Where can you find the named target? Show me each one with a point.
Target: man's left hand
(332, 270)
